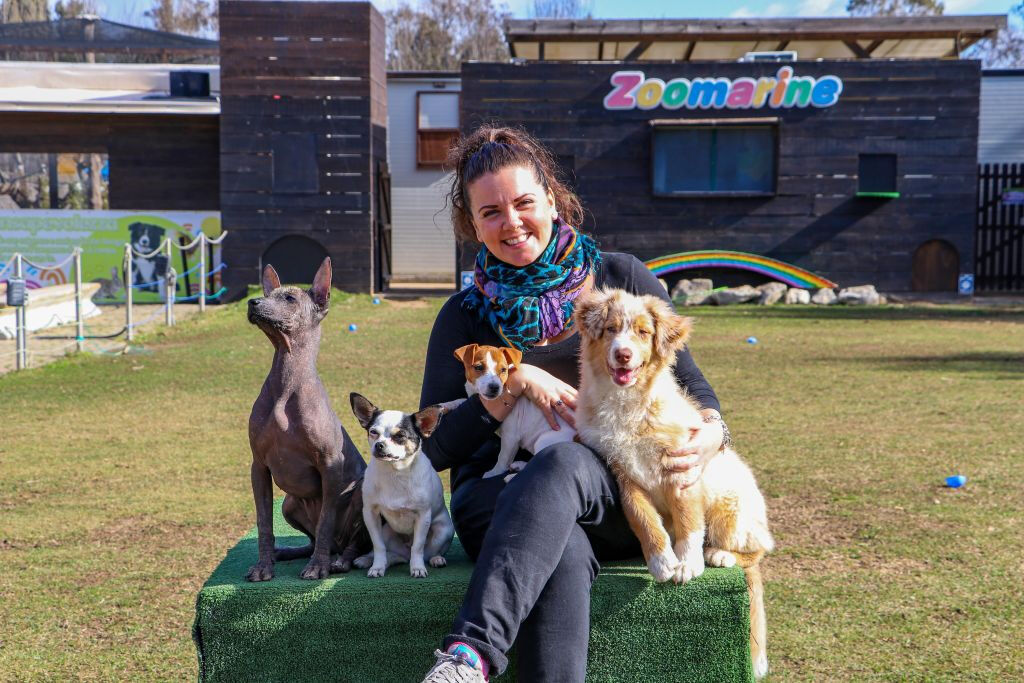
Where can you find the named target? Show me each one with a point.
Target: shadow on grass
(880, 313)
(996, 364)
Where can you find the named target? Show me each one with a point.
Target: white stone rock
(797, 295)
(691, 292)
(771, 293)
(823, 297)
(861, 295)
(734, 295)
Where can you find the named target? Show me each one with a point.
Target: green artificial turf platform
(351, 628)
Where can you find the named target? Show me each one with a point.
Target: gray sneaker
(453, 669)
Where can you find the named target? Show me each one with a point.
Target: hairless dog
(297, 439)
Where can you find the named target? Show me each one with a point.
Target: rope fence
(84, 336)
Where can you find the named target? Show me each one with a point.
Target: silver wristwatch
(726, 437)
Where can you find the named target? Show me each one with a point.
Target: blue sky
(130, 11)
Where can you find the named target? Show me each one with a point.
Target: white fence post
(80, 322)
(19, 320)
(172, 283)
(202, 272)
(128, 291)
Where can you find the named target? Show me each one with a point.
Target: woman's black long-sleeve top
(463, 431)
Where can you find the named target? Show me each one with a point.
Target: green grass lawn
(124, 479)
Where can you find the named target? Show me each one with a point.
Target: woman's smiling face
(512, 214)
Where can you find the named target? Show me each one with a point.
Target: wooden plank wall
(157, 161)
(924, 111)
(301, 67)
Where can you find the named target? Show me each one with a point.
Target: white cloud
(960, 6)
(775, 9)
(821, 8)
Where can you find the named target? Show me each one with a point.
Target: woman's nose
(512, 218)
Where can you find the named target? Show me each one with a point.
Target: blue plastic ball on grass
(376, 300)
(956, 481)
(751, 340)
(352, 327)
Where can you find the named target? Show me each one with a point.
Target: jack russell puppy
(400, 487)
(487, 370)
(632, 412)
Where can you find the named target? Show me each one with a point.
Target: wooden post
(171, 280)
(128, 290)
(21, 355)
(202, 272)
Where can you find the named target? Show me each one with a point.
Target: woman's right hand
(546, 391)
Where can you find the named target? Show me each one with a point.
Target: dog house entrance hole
(935, 269)
(295, 258)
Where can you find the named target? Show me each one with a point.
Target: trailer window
(437, 126)
(53, 180)
(695, 159)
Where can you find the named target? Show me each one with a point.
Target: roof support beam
(689, 50)
(635, 53)
(783, 44)
(856, 49)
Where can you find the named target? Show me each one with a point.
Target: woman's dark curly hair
(491, 148)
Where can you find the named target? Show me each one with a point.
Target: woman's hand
(709, 443)
(546, 391)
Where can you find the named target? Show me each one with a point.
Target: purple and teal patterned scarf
(525, 305)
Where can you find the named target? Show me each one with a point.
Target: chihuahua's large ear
(321, 289)
(362, 409)
(464, 352)
(270, 280)
(670, 329)
(592, 312)
(426, 420)
(512, 356)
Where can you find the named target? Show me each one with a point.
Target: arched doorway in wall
(936, 266)
(295, 258)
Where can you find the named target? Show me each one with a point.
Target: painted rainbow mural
(793, 276)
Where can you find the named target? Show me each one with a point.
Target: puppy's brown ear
(592, 312)
(512, 356)
(270, 280)
(671, 331)
(464, 352)
(364, 411)
(321, 289)
(426, 420)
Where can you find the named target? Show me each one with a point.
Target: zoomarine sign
(632, 90)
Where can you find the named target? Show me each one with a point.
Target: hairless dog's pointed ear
(270, 280)
(465, 351)
(426, 420)
(362, 409)
(321, 289)
(512, 356)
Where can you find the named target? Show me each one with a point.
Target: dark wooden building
(302, 137)
(867, 177)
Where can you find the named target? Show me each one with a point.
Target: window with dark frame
(54, 180)
(730, 157)
(437, 126)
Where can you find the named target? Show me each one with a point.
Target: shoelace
(454, 673)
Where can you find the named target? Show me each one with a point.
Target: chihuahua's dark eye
(479, 367)
(289, 298)
(374, 433)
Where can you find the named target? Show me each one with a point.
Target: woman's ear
(554, 207)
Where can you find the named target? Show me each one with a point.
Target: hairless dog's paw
(376, 572)
(340, 564)
(316, 569)
(262, 571)
(418, 572)
(438, 561)
(363, 561)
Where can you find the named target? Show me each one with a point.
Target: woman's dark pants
(537, 542)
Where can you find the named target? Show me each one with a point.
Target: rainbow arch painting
(794, 276)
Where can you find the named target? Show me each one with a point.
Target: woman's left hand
(547, 392)
(709, 443)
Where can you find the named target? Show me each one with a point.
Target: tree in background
(563, 9)
(190, 17)
(72, 9)
(895, 8)
(438, 35)
(1007, 50)
(17, 11)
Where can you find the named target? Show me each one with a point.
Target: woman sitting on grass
(538, 539)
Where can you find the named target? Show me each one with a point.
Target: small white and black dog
(146, 271)
(400, 487)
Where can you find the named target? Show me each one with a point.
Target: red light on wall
(276, 97)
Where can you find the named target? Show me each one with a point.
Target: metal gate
(382, 226)
(999, 240)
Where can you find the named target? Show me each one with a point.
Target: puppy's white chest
(400, 520)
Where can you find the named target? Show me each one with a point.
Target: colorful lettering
(622, 96)
(632, 90)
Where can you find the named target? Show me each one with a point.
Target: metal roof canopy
(92, 34)
(729, 39)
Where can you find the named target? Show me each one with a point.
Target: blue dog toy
(956, 481)
(352, 327)
(751, 340)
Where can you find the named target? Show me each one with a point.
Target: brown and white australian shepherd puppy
(633, 413)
